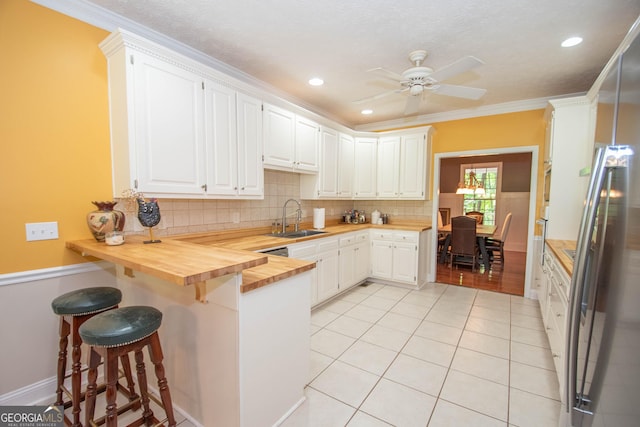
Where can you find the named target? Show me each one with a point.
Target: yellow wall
(500, 131)
(54, 131)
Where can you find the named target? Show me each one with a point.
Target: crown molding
(486, 110)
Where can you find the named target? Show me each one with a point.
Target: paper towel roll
(318, 217)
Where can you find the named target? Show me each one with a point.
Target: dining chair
(479, 216)
(495, 246)
(442, 237)
(464, 249)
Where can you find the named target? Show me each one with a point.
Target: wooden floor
(509, 281)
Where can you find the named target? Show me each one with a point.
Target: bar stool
(75, 308)
(114, 334)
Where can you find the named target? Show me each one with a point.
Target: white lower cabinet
(553, 305)
(324, 252)
(354, 259)
(395, 256)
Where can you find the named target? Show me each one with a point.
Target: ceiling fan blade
(387, 74)
(413, 103)
(458, 91)
(458, 67)
(378, 96)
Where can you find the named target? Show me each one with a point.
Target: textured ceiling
(285, 42)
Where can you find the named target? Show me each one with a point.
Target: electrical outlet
(41, 231)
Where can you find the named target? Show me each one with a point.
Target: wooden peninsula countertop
(195, 258)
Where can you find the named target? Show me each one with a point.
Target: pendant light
(473, 186)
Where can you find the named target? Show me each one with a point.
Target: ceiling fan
(418, 79)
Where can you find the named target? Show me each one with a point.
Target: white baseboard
(43, 393)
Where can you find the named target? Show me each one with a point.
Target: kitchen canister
(318, 218)
(375, 216)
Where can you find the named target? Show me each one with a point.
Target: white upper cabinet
(403, 168)
(222, 143)
(250, 170)
(346, 163)
(364, 184)
(159, 145)
(413, 167)
(291, 142)
(175, 130)
(388, 167)
(307, 145)
(335, 177)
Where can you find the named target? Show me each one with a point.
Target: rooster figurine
(149, 216)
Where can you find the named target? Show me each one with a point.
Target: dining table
(482, 232)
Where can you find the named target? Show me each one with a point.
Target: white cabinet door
(328, 267)
(405, 262)
(382, 259)
(328, 174)
(365, 168)
(346, 163)
(362, 252)
(169, 135)
(413, 167)
(221, 141)
(250, 170)
(307, 142)
(388, 167)
(347, 267)
(279, 129)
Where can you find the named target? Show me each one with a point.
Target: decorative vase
(104, 220)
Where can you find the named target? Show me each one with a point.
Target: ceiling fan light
(416, 90)
(316, 81)
(366, 112)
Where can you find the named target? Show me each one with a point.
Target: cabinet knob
(242, 188)
(204, 187)
(556, 355)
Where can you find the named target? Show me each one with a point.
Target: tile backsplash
(181, 216)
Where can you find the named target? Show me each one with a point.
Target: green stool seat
(120, 326)
(86, 301)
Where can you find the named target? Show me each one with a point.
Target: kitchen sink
(296, 234)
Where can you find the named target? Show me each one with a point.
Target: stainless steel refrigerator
(603, 339)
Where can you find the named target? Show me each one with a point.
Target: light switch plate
(41, 231)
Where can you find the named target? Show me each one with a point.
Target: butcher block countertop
(194, 258)
(558, 247)
(171, 260)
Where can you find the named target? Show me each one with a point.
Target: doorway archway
(530, 256)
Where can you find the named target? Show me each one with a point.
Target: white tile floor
(441, 356)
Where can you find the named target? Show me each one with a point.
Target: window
(489, 175)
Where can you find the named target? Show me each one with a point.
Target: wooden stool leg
(62, 358)
(147, 413)
(111, 373)
(155, 352)
(90, 396)
(76, 352)
(131, 385)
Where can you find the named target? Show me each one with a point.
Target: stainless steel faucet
(284, 215)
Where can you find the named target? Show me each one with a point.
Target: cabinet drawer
(558, 307)
(405, 237)
(381, 235)
(302, 250)
(327, 245)
(362, 237)
(347, 240)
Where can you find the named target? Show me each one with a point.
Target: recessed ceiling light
(316, 81)
(367, 112)
(571, 41)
